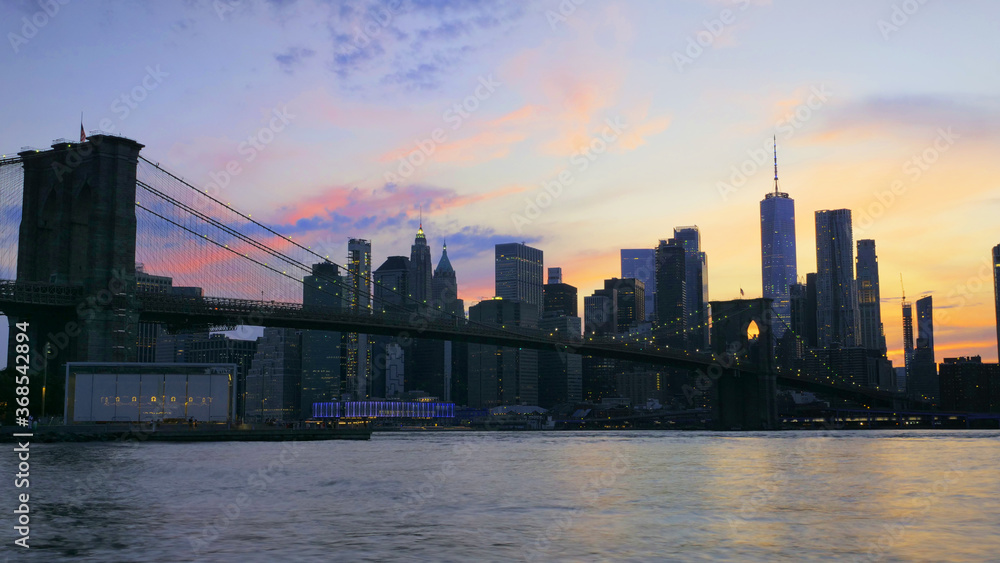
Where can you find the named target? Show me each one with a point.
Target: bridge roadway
(23, 298)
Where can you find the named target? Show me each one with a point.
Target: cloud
(902, 116)
(292, 58)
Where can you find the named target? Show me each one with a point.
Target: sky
(580, 127)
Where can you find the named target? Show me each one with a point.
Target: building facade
(836, 296)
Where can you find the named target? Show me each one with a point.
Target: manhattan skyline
(852, 114)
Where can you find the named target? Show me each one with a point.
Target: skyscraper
(640, 263)
(907, 335)
(518, 273)
(559, 298)
(444, 287)
(274, 379)
(671, 292)
(630, 302)
(922, 380)
(358, 349)
(869, 298)
(322, 350)
(420, 262)
(777, 250)
(503, 375)
(392, 289)
(996, 291)
(836, 296)
(696, 286)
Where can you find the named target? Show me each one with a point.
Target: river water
(519, 496)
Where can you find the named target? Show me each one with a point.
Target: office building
(922, 379)
(969, 385)
(391, 288)
(777, 251)
(322, 350)
(559, 298)
(671, 293)
(640, 263)
(869, 297)
(518, 273)
(836, 296)
(274, 379)
(560, 374)
(502, 375)
(420, 262)
(358, 349)
(695, 287)
(996, 292)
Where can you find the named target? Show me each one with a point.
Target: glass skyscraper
(996, 290)
(869, 299)
(836, 296)
(640, 263)
(696, 286)
(518, 273)
(777, 251)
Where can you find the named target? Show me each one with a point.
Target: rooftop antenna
(775, 138)
(901, 286)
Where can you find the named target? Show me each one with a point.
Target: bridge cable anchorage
(267, 249)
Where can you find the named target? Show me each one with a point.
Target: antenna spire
(775, 138)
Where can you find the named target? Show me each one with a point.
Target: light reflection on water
(632, 496)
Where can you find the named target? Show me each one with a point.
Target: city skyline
(685, 134)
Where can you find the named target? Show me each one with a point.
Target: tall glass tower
(696, 286)
(836, 296)
(869, 299)
(518, 273)
(777, 250)
(996, 290)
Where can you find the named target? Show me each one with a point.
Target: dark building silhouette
(322, 350)
(392, 285)
(695, 287)
(560, 374)
(518, 273)
(503, 375)
(629, 297)
(967, 384)
(922, 379)
(274, 380)
(907, 309)
(671, 293)
(559, 298)
(996, 291)
(869, 297)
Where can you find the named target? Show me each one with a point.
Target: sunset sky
(364, 111)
